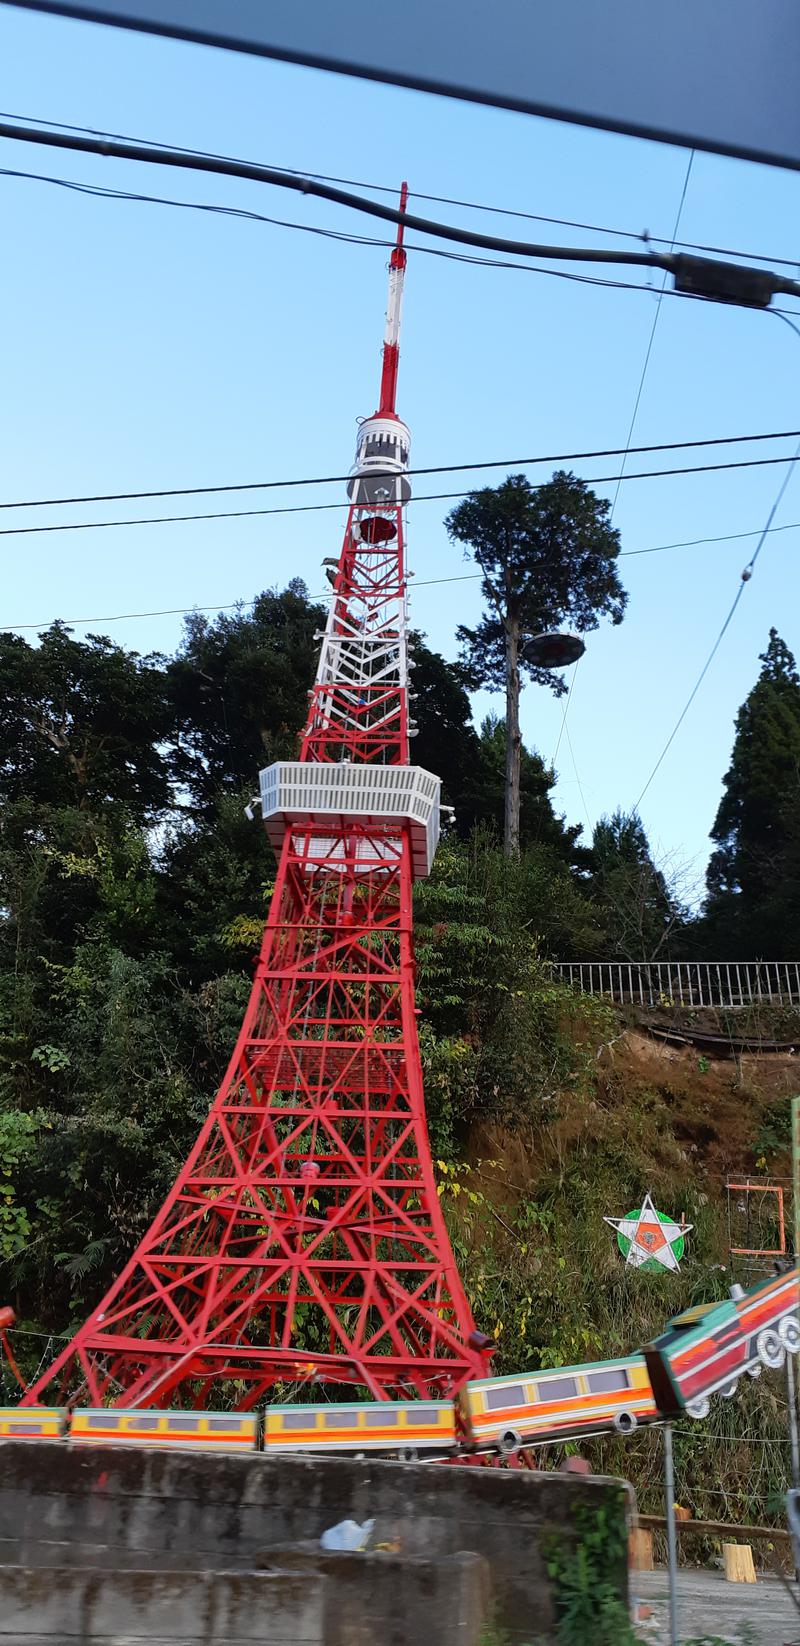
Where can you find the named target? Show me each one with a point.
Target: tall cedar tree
(547, 555)
(754, 875)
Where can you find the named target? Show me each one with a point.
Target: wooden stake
(739, 1566)
(640, 1550)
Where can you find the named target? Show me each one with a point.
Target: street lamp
(552, 651)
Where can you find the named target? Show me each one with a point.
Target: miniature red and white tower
(304, 1237)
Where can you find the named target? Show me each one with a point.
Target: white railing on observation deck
(723, 983)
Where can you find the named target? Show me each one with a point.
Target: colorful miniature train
(704, 1351)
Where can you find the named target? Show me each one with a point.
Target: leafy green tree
(754, 875)
(547, 555)
(239, 689)
(83, 724)
(637, 909)
(538, 822)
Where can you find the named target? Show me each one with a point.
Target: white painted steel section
(394, 308)
(333, 796)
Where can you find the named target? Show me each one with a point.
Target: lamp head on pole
(552, 651)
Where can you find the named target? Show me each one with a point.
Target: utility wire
(441, 468)
(416, 194)
(631, 427)
(746, 575)
(308, 185)
(321, 508)
(355, 239)
(745, 578)
(421, 583)
(651, 339)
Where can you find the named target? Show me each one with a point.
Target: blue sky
(146, 347)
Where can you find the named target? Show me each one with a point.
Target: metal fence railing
(721, 983)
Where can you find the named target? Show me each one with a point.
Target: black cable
(307, 185)
(420, 583)
(360, 239)
(745, 578)
(442, 468)
(653, 329)
(316, 508)
(435, 199)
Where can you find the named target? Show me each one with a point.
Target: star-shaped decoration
(648, 1239)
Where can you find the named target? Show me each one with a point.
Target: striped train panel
(32, 1422)
(170, 1431)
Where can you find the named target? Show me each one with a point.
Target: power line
(631, 427)
(357, 239)
(319, 508)
(651, 340)
(417, 194)
(745, 578)
(421, 583)
(730, 282)
(440, 468)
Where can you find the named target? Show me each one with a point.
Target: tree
(83, 724)
(637, 907)
(239, 687)
(754, 875)
(547, 556)
(538, 823)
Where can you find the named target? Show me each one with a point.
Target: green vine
(586, 1575)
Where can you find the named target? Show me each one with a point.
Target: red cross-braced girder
(303, 1239)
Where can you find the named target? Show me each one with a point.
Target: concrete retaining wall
(336, 1600)
(112, 1510)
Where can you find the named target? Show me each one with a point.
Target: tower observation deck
(303, 1242)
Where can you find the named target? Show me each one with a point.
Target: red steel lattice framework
(304, 1237)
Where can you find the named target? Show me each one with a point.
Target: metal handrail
(728, 984)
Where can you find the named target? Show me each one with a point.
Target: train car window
(508, 1394)
(380, 1419)
(145, 1423)
(105, 1420)
(224, 1425)
(557, 1388)
(607, 1383)
(430, 1415)
(188, 1425)
(299, 1420)
(340, 1420)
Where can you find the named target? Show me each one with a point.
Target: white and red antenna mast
(387, 406)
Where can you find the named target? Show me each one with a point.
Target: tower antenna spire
(387, 406)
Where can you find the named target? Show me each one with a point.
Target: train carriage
(509, 1412)
(229, 1432)
(705, 1350)
(392, 1426)
(32, 1422)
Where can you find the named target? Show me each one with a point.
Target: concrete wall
(113, 1510)
(335, 1600)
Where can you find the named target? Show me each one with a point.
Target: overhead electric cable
(419, 583)
(726, 281)
(631, 427)
(648, 351)
(317, 508)
(344, 238)
(745, 578)
(440, 468)
(417, 194)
